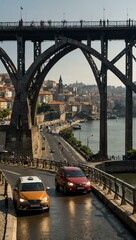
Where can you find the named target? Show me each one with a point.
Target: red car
(72, 179)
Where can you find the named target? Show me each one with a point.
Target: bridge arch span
(46, 55)
(87, 51)
(32, 81)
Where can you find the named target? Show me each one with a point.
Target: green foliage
(131, 152)
(68, 134)
(1, 114)
(43, 108)
(4, 113)
(86, 150)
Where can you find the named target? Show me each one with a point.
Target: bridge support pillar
(21, 115)
(21, 55)
(103, 103)
(129, 103)
(103, 123)
(23, 142)
(19, 141)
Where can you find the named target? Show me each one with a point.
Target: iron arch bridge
(67, 37)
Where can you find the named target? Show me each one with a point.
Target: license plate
(35, 205)
(80, 188)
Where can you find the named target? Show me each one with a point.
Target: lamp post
(88, 140)
(21, 9)
(103, 14)
(79, 136)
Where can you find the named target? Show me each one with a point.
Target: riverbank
(90, 133)
(126, 166)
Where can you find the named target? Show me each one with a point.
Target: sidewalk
(8, 220)
(3, 212)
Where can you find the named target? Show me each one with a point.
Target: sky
(73, 67)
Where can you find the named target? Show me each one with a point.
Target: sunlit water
(127, 177)
(89, 135)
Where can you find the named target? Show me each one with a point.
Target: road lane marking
(11, 172)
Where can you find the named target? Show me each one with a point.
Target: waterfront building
(45, 97)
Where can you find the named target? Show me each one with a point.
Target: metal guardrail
(68, 24)
(121, 190)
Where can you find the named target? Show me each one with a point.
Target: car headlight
(70, 184)
(45, 199)
(88, 183)
(22, 200)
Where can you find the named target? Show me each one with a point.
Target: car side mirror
(48, 188)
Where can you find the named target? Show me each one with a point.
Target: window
(25, 187)
(74, 173)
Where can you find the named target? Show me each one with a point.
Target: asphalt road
(63, 151)
(73, 217)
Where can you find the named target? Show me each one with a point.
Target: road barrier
(4, 182)
(10, 222)
(118, 195)
(106, 182)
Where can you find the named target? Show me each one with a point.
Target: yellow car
(29, 194)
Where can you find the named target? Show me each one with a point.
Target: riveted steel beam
(21, 55)
(129, 102)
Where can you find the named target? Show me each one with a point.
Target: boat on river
(76, 127)
(112, 116)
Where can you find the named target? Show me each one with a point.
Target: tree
(43, 108)
(4, 113)
(119, 109)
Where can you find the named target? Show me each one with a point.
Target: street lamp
(79, 136)
(88, 140)
(21, 9)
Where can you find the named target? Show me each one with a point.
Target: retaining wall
(123, 166)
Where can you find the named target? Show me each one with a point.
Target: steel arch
(42, 75)
(54, 55)
(10, 67)
(70, 42)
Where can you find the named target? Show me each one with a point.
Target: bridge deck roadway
(124, 212)
(112, 30)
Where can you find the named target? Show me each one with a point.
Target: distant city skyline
(74, 66)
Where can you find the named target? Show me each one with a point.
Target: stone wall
(22, 142)
(118, 166)
(36, 142)
(16, 140)
(2, 140)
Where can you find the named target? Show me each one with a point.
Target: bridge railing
(121, 190)
(68, 24)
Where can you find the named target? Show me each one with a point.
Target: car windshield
(74, 173)
(25, 187)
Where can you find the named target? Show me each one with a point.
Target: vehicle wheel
(65, 190)
(57, 186)
(14, 202)
(17, 211)
(15, 205)
(89, 191)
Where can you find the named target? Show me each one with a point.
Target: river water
(89, 135)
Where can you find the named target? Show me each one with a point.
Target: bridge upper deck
(80, 30)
